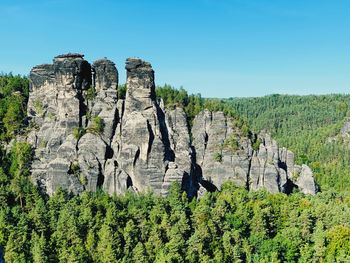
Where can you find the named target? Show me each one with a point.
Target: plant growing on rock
(88, 116)
(39, 107)
(231, 144)
(43, 144)
(78, 132)
(91, 93)
(75, 169)
(245, 131)
(218, 157)
(83, 180)
(256, 144)
(52, 117)
(295, 175)
(97, 126)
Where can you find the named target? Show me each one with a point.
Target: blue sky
(219, 48)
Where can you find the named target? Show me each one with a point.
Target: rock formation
(223, 153)
(85, 137)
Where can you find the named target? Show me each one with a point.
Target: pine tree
(38, 248)
(107, 245)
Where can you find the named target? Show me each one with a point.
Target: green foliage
(78, 132)
(231, 144)
(43, 143)
(122, 92)
(217, 157)
(52, 117)
(10, 84)
(83, 180)
(245, 131)
(75, 169)
(97, 126)
(38, 106)
(88, 116)
(90, 93)
(233, 225)
(338, 239)
(13, 104)
(295, 176)
(256, 144)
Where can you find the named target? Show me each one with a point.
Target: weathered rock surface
(220, 162)
(305, 180)
(55, 107)
(266, 169)
(141, 145)
(224, 154)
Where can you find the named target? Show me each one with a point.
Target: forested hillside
(303, 124)
(233, 225)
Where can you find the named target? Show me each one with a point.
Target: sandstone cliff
(85, 137)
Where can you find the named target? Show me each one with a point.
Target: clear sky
(219, 48)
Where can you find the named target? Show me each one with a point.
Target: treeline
(194, 103)
(303, 124)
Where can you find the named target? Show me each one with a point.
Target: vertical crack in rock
(150, 139)
(100, 178)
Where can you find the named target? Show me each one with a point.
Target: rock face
(268, 168)
(86, 138)
(141, 145)
(55, 107)
(223, 153)
(305, 181)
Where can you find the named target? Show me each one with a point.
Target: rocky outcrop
(55, 108)
(223, 153)
(141, 144)
(86, 138)
(305, 180)
(182, 168)
(130, 149)
(267, 169)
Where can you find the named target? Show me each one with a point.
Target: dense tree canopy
(233, 225)
(13, 104)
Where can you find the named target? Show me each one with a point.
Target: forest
(233, 225)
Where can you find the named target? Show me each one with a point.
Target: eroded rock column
(55, 108)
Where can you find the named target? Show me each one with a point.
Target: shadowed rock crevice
(150, 139)
(101, 178)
